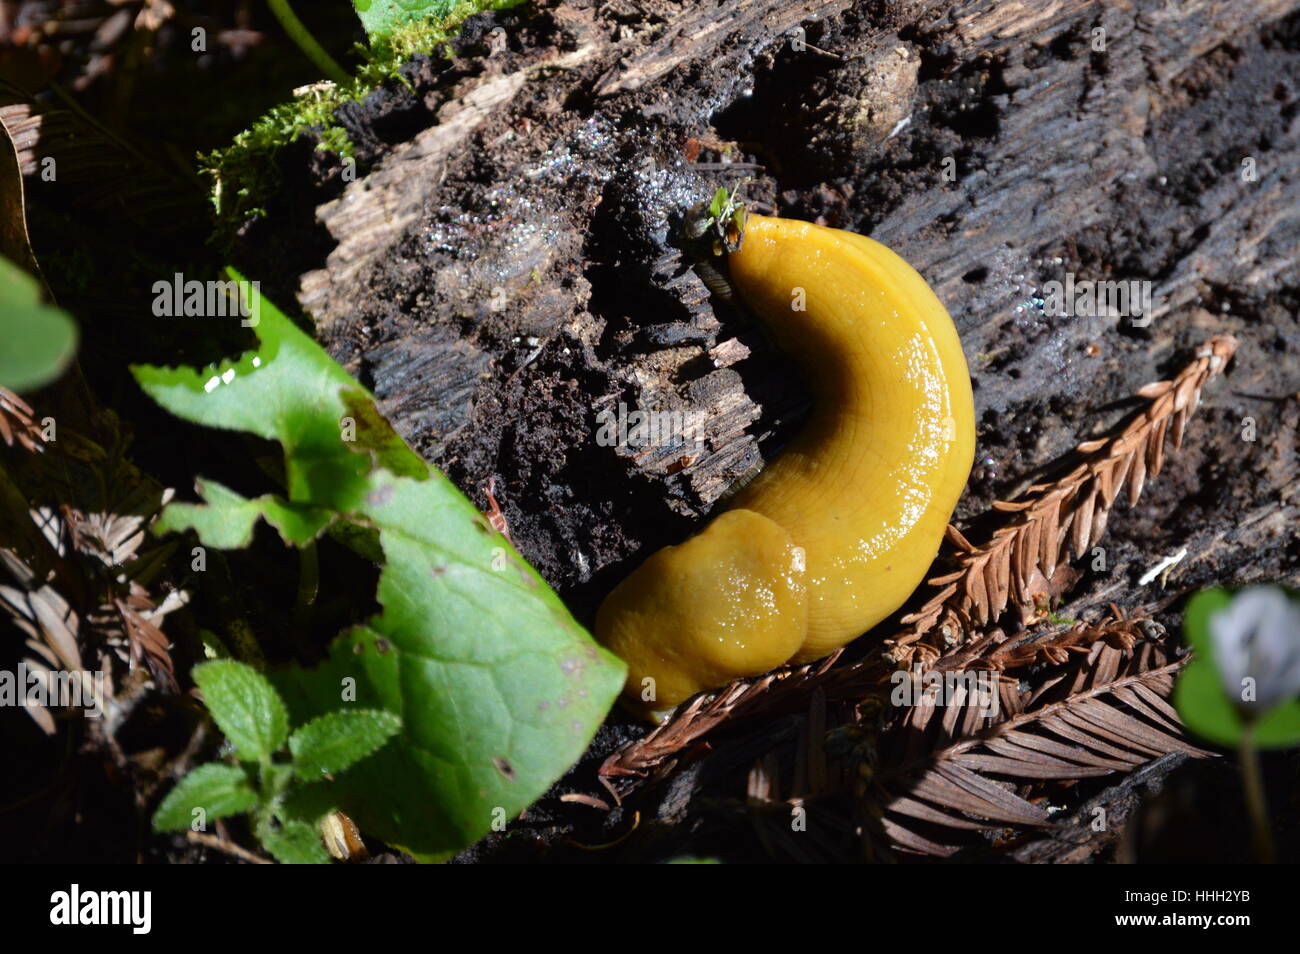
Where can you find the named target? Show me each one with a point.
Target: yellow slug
(839, 530)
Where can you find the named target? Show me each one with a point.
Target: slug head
(711, 230)
(716, 227)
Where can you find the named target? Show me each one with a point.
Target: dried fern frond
(1056, 522)
(1067, 658)
(49, 623)
(18, 423)
(652, 756)
(1109, 716)
(924, 777)
(138, 617)
(72, 535)
(995, 652)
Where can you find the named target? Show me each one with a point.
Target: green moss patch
(245, 174)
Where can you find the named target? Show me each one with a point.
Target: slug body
(840, 529)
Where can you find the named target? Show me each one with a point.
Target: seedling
(272, 768)
(478, 654)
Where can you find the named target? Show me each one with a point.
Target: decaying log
(511, 271)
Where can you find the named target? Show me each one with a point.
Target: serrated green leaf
(309, 802)
(379, 17)
(245, 707)
(718, 204)
(499, 690)
(338, 740)
(294, 843)
(219, 790)
(39, 339)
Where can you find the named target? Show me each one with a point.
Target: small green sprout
(275, 791)
(719, 225)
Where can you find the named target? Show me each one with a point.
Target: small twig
(590, 801)
(227, 847)
(308, 585)
(636, 823)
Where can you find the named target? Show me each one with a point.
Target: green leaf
(245, 706)
(498, 689)
(39, 340)
(1199, 697)
(379, 17)
(294, 843)
(1279, 727)
(1204, 707)
(1196, 618)
(220, 790)
(337, 740)
(718, 204)
(225, 520)
(309, 802)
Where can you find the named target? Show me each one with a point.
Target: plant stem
(1252, 782)
(306, 42)
(308, 585)
(229, 847)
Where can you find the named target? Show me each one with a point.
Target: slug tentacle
(862, 495)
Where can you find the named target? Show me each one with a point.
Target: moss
(245, 174)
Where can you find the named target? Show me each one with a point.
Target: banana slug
(837, 532)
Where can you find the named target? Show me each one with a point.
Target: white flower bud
(1257, 645)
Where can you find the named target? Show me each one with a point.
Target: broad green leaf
(309, 801)
(1279, 727)
(245, 706)
(39, 340)
(219, 790)
(379, 17)
(718, 204)
(499, 690)
(338, 740)
(1199, 696)
(1204, 707)
(294, 843)
(225, 520)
